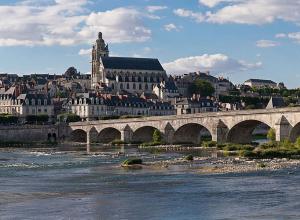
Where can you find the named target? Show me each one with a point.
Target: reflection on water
(60, 184)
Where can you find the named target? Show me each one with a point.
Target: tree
(271, 135)
(202, 87)
(68, 117)
(156, 136)
(298, 142)
(71, 71)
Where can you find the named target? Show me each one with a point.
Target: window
(134, 87)
(45, 110)
(146, 86)
(140, 86)
(127, 85)
(121, 86)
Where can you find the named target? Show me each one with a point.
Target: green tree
(298, 142)
(68, 117)
(202, 87)
(271, 135)
(156, 136)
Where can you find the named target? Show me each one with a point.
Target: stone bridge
(234, 126)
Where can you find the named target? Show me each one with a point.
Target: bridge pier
(282, 129)
(88, 141)
(169, 134)
(219, 132)
(126, 134)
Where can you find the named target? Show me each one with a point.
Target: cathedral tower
(100, 49)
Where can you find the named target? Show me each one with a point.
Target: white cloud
(280, 35)
(267, 43)
(171, 27)
(295, 36)
(198, 17)
(213, 3)
(216, 63)
(255, 12)
(119, 25)
(85, 52)
(67, 22)
(155, 8)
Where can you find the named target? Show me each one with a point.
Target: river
(56, 184)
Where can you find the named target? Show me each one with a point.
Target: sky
(236, 39)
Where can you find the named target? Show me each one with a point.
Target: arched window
(112, 86)
(139, 79)
(120, 79)
(121, 86)
(145, 79)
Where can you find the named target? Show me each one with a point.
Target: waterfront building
(26, 104)
(90, 106)
(133, 75)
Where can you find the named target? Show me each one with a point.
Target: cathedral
(124, 74)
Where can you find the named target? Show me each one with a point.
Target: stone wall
(27, 133)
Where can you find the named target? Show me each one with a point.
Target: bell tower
(100, 49)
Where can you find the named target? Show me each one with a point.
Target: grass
(132, 161)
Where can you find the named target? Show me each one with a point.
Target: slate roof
(276, 102)
(132, 63)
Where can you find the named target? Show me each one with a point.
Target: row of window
(139, 79)
(134, 86)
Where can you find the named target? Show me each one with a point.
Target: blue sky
(239, 39)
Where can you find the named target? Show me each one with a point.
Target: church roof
(131, 63)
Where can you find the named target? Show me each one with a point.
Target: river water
(52, 184)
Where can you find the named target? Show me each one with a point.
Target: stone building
(166, 90)
(133, 75)
(194, 105)
(90, 106)
(260, 83)
(26, 104)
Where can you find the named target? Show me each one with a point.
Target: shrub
(189, 157)
(246, 153)
(271, 135)
(69, 117)
(298, 142)
(208, 144)
(132, 161)
(37, 118)
(261, 165)
(156, 136)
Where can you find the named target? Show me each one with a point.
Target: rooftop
(132, 63)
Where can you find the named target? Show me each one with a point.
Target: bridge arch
(108, 135)
(295, 132)
(143, 134)
(191, 133)
(242, 132)
(78, 135)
